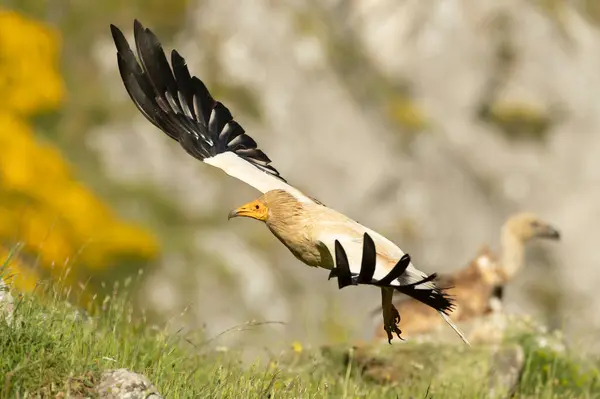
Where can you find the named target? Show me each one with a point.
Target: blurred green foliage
(518, 120)
(589, 9)
(560, 371)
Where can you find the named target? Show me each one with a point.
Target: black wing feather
(369, 260)
(436, 298)
(343, 266)
(397, 271)
(180, 104)
(182, 76)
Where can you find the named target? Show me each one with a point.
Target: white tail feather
(456, 329)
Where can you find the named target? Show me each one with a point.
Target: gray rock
(505, 369)
(125, 384)
(6, 303)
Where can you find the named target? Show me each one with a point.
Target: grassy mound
(51, 350)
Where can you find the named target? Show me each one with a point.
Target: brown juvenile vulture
(477, 288)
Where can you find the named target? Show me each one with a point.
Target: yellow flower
(15, 274)
(297, 347)
(29, 55)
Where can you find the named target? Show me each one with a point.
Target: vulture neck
(513, 254)
(291, 223)
(287, 217)
(289, 228)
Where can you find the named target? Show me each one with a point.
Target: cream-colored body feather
(310, 230)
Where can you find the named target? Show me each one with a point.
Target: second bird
(477, 289)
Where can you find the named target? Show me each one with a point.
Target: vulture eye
(256, 207)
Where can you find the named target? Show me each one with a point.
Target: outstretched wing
(422, 288)
(433, 297)
(181, 106)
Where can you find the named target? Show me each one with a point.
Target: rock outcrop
(125, 384)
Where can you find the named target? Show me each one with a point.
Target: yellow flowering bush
(15, 272)
(29, 78)
(42, 205)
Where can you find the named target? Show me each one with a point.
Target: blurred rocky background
(429, 121)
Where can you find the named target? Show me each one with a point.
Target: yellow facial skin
(255, 210)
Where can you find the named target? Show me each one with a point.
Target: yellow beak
(255, 210)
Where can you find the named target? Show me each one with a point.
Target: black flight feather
(397, 271)
(343, 267)
(180, 104)
(436, 298)
(369, 259)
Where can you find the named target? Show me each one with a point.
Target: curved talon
(396, 315)
(393, 326)
(393, 329)
(389, 335)
(398, 332)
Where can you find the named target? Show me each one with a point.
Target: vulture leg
(391, 317)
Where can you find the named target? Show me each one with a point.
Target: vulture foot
(391, 326)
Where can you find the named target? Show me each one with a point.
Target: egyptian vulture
(181, 106)
(477, 289)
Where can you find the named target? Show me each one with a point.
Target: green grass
(50, 349)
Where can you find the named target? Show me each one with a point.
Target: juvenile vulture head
(525, 226)
(272, 206)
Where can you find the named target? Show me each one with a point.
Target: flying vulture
(181, 106)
